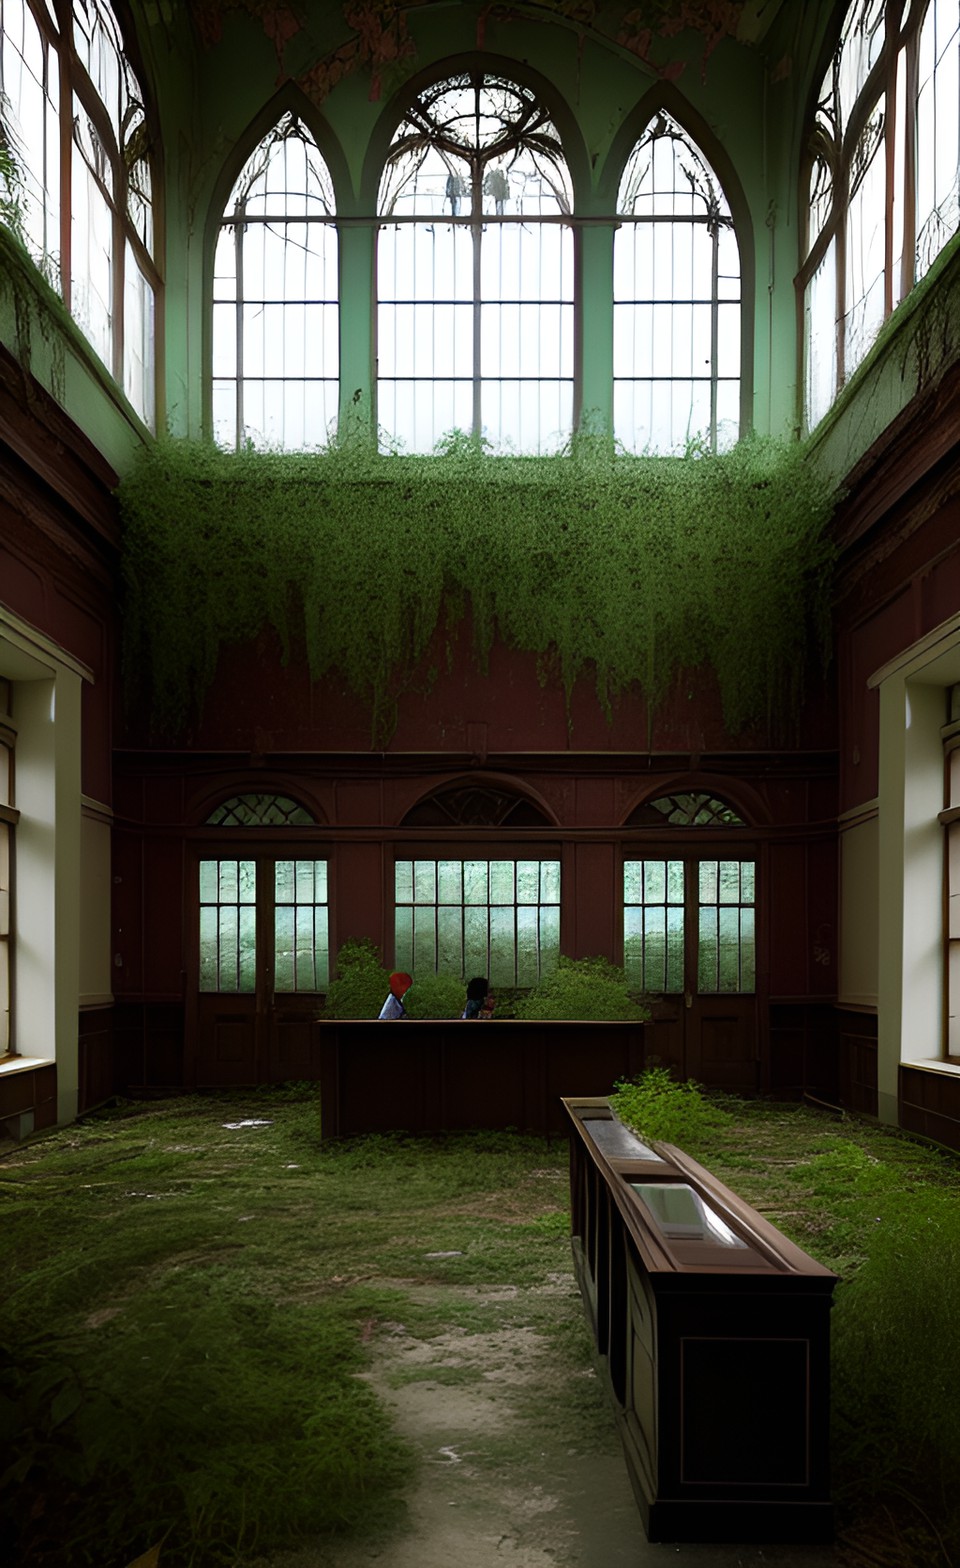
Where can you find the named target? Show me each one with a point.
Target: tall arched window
(882, 192)
(275, 330)
(73, 123)
(676, 291)
(475, 269)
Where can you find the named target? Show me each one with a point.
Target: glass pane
(709, 881)
(675, 958)
(450, 879)
(209, 967)
(549, 937)
(501, 881)
(475, 955)
(475, 882)
(528, 946)
(654, 881)
(403, 874)
(403, 938)
(425, 881)
(502, 963)
(284, 881)
(248, 949)
(450, 940)
(550, 881)
(528, 881)
(728, 966)
(424, 940)
(283, 949)
(707, 954)
(208, 881)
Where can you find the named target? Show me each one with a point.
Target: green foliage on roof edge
(623, 570)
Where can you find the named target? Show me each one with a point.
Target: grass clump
(658, 1106)
(582, 988)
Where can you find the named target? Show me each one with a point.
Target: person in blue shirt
(393, 1007)
(476, 996)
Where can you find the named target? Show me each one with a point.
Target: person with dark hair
(393, 1007)
(476, 997)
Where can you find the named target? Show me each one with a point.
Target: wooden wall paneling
(930, 1104)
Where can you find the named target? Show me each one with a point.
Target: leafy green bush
(583, 988)
(657, 1106)
(362, 983)
(435, 996)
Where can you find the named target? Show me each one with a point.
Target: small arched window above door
(259, 811)
(475, 805)
(686, 810)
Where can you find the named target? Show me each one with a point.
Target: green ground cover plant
(207, 1268)
(620, 570)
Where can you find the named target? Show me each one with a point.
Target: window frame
(834, 137)
(462, 855)
(112, 152)
(282, 124)
(477, 222)
(9, 818)
(718, 213)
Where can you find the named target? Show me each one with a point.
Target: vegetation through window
(689, 925)
(498, 918)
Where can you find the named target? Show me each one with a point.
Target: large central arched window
(475, 272)
(676, 291)
(275, 332)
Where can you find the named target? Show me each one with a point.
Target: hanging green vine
(619, 568)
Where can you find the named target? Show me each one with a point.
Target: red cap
(399, 983)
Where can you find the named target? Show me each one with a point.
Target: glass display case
(714, 1329)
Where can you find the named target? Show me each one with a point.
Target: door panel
(262, 960)
(227, 1041)
(690, 941)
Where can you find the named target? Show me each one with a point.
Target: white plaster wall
(47, 686)
(95, 886)
(859, 911)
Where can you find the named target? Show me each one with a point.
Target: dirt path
(517, 1466)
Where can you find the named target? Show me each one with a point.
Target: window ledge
(23, 1064)
(951, 1069)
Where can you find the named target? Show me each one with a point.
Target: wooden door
(262, 963)
(690, 943)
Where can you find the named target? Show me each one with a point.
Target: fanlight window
(676, 283)
(475, 805)
(86, 194)
(259, 811)
(275, 329)
(686, 811)
(475, 272)
(882, 195)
